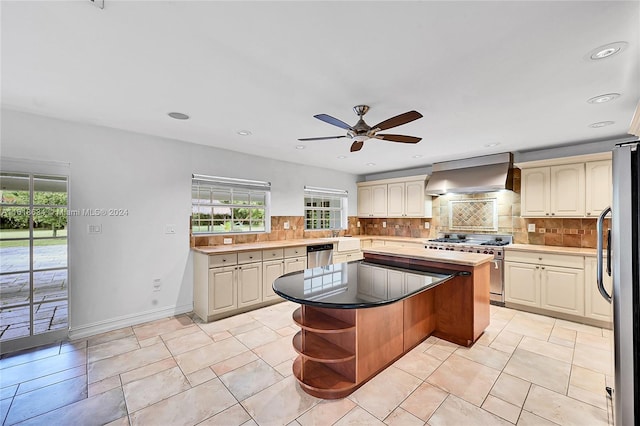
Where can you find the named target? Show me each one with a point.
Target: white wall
(111, 274)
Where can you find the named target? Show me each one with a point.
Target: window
(325, 208)
(229, 206)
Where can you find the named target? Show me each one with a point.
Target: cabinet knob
(588, 213)
(539, 258)
(553, 214)
(537, 267)
(224, 260)
(542, 267)
(547, 214)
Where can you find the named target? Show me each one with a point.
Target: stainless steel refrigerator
(623, 260)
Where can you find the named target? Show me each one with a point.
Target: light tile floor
(526, 369)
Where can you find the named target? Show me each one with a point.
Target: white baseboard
(84, 331)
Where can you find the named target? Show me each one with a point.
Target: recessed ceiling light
(243, 132)
(603, 98)
(341, 157)
(371, 164)
(607, 50)
(178, 116)
(417, 156)
(300, 147)
(491, 145)
(601, 124)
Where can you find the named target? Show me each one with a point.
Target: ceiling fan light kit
(361, 131)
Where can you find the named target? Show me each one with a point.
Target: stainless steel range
(479, 243)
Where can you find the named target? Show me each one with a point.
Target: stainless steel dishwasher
(319, 255)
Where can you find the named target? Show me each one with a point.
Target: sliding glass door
(33, 259)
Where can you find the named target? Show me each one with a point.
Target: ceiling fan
(361, 131)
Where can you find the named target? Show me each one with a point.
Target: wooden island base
(341, 349)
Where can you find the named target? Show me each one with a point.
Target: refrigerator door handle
(599, 228)
(609, 252)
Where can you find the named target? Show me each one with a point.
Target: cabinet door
(249, 284)
(379, 200)
(414, 199)
(522, 283)
(222, 290)
(595, 306)
(270, 271)
(365, 197)
(567, 190)
(395, 199)
(295, 264)
(599, 187)
(535, 192)
(562, 289)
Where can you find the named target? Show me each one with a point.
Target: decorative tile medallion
(480, 215)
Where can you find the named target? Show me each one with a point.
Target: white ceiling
(513, 73)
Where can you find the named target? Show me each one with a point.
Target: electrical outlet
(94, 229)
(285, 225)
(227, 241)
(170, 229)
(157, 283)
(358, 224)
(531, 227)
(384, 224)
(427, 225)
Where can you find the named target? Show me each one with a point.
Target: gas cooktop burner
(494, 243)
(449, 240)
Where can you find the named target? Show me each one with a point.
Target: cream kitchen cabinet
(222, 292)
(249, 282)
(230, 283)
(522, 283)
(595, 306)
(397, 197)
(406, 199)
(554, 191)
(372, 201)
(553, 282)
(599, 187)
(271, 270)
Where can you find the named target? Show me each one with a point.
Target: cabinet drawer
(250, 256)
(272, 254)
(218, 260)
(295, 251)
(565, 260)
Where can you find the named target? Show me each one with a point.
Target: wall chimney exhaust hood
(479, 174)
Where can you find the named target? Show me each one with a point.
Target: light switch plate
(384, 224)
(531, 227)
(358, 224)
(427, 225)
(285, 225)
(227, 241)
(170, 229)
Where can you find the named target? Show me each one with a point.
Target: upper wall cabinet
(372, 201)
(599, 187)
(580, 189)
(402, 197)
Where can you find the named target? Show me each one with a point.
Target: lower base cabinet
(222, 290)
(227, 284)
(249, 278)
(563, 284)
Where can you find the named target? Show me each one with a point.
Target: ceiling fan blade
(332, 120)
(356, 146)
(322, 138)
(399, 138)
(398, 120)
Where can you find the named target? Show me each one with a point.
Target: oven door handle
(599, 254)
(496, 265)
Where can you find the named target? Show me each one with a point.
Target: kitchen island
(357, 318)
